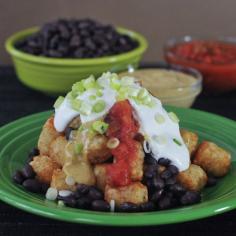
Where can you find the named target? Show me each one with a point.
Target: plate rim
(118, 219)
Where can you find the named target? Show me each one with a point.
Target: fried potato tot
(136, 165)
(97, 151)
(213, 159)
(57, 150)
(44, 167)
(190, 140)
(100, 174)
(48, 134)
(58, 181)
(194, 178)
(135, 193)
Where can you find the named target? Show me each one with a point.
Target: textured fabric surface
(17, 101)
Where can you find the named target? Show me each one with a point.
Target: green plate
(18, 137)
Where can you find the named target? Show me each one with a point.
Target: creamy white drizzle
(160, 135)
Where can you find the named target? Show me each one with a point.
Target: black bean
(28, 172)
(54, 53)
(150, 160)
(44, 187)
(83, 203)
(147, 206)
(170, 181)
(211, 181)
(32, 185)
(75, 41)
(69, 201)
(177, 189)
(54, 41)
(95, 194)
(18, 177)
(164, 162)
(149, 183)
(166, 174)
(82, 188)
(158, 183)
(150, 171)
(156, 195)
(164, 203)
(85, 39)
(34, 152)
(100, 205)
(190, 198)
(128, 207)
(173, 169)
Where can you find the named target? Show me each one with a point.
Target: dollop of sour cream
(160, 128)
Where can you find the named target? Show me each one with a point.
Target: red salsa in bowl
(215, 59)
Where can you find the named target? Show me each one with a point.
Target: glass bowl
(218, 77)
(169, 94)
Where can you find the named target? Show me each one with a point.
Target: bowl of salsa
(215, 59)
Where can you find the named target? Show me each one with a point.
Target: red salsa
(211, 52)
(123, 126)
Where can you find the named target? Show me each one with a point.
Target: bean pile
(159, 176)
(163, 190)
(72, 38)
(26, 176)
(86, 197)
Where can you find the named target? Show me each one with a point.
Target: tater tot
(136, 165)
(100, 174)
(58, 181)
(190, 140)
(194, 178)
(57, 150)
(213, 159)
(44, 167)
(135, 193)
(97, 151)
(48, 134)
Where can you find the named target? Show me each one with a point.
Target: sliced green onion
(151, 103)
(79, 148)
(146, 100)
(76, 104)
(173, 117)
(100, 126)
(70, 96)
(85, 108)
(99, 106)
(133, 92)
(127, 81)
(177, 142)
(99, 93)
(142, 93)
(92, 97)
(58, 102)
(89, 82)
(115, 82)
(159, 118)
(78, 88)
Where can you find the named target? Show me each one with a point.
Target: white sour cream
(161, 136)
